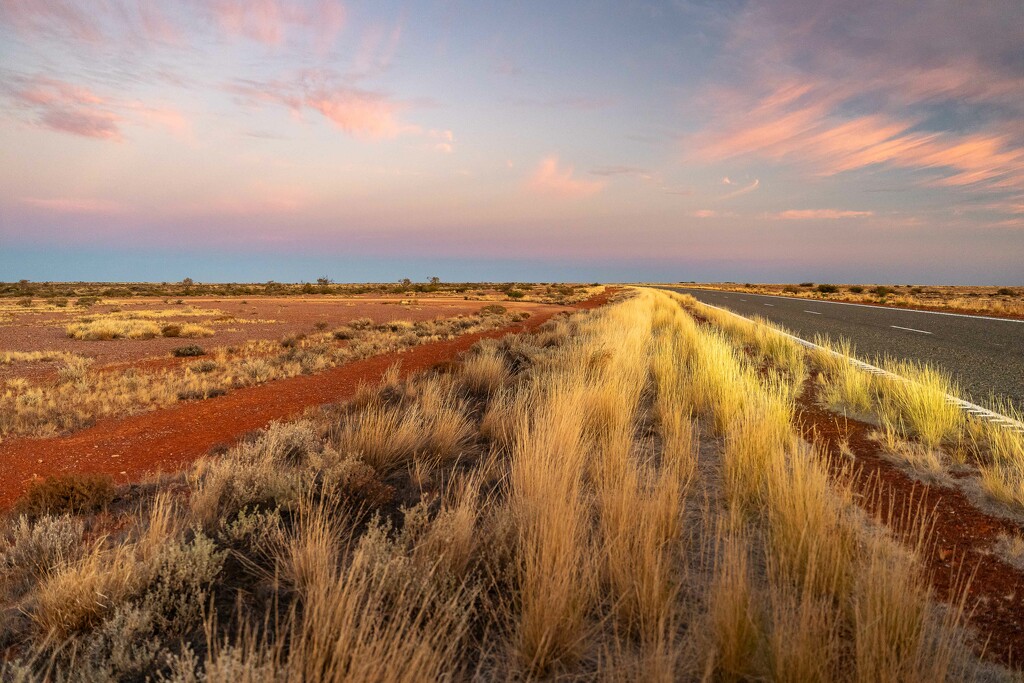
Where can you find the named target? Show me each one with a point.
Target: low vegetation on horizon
(622, 495)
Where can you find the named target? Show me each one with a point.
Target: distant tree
(187, 282)
(323, 281)
(435, 280)
(405, 282)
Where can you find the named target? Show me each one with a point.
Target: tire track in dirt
(169, 439)
(962, 536)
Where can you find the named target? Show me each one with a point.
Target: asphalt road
(984, 355)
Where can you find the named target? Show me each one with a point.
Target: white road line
(882, 308)
(813, 312)
(769, 304)
(909, 329)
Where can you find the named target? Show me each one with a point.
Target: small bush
(493, 309)
(322, 325)
(828, 289)
(791, 289)
(361, 323)
(69, 493)
(856, 289)
(26, 302)
(806, 284)
(203, 366)
(1005, 291)
(881, 291)
(190, 350)
(60, 302)
(515, 294)
(342, 335)
(293, 341)
(87, 301)
(171, 330)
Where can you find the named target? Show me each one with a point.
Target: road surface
(984, 355)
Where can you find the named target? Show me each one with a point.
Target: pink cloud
(704, 213)
(550, 179)
(267, 21)
(741, 191)
(66, 17)
(75, 205)
(820, 214)
(800, 123)
(100, 23)
(69, 108)
(360, 113)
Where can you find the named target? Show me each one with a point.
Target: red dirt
(962, 536)
(167, 440)
(38, 331)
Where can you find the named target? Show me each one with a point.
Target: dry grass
(9, 357)
(582, 503)
(992, 300)
(107, 329)
(81, 396)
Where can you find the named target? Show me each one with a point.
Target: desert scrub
(83, 396)
(190, 350)
(9, 357)
(69, 493)
(582, 504)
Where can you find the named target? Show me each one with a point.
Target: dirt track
(166, 440)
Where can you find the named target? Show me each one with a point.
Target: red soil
(128, 448)
(38, 331)
(962, 537)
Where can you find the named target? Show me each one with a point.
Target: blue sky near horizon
(227, 140)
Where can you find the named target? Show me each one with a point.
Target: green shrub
(806, 284)
(515, 294)
(882, 292)
(856, 289)
(828, 289)
(1005, 291)
(188, 351)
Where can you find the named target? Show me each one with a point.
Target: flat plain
(603, 483)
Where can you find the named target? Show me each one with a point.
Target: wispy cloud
(551, 178)
(820, 214)
(74, 109)
(622, 170)
(360, 113)
(741, 191)
(74, 205)
(265, 21)
(830, 87)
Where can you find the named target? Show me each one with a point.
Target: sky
(248, 140)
